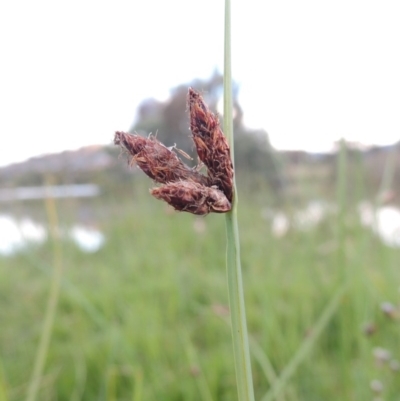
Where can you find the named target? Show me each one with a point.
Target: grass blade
(48, 323)
(307, 345)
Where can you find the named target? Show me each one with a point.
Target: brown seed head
(156, 160)
(211, 144)
(192, 197)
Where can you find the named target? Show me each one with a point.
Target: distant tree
(253, 151)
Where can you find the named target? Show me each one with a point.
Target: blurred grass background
(145, 317)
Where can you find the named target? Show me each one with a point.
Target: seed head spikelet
(156, 160)
(211, 144)
(192, 197)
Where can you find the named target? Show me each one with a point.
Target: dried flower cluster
(185, 188)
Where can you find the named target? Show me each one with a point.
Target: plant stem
(234, 272)
(41, 355)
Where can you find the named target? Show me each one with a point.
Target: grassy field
(146, 317)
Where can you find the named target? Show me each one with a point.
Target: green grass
(144, 318)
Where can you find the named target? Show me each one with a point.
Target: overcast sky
(310, 72)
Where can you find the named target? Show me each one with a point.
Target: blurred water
(303, 219)
(55, 191)
(17, 235)
(14, 236)
(383, 221)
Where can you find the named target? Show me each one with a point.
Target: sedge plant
(188, 190)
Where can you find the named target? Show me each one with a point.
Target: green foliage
(145, 317)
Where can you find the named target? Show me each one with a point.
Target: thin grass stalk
(307, 345)
(80, 376)
(52, 302)
(388, 174)
(193, 359)
(386, 184)
(137, 393)
(234, 271)
(74, 293)
(111, 380)
(3, 387)
(341, 190)
(345, 270)
(265, 364)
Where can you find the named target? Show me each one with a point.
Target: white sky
(72, 72)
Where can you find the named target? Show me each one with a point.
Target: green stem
(41, 355)
(234, 272)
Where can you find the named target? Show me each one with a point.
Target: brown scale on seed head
(211, 144)
(156, 160)
(189, 196)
